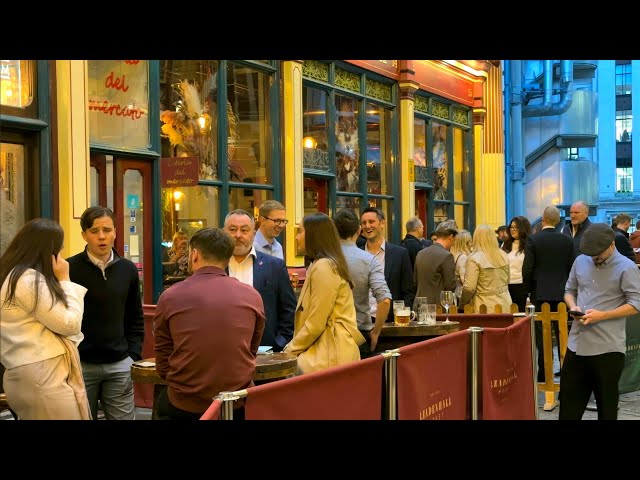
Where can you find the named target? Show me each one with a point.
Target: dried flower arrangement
(189, 127)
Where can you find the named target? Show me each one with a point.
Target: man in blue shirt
(272, 221)
(367, 275)
(604, 285)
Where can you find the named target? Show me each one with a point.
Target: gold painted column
(73, 150)
(408, 87)
(488, 132)
(292, 158)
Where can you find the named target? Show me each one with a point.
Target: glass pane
(248, 199)
(440, 161)
(386, 207)
(315, 138)
(185, 210)
(17, 82)
(419, 142)
(378, 150)
(347, 146)
(460, 170)
(249, 125)
(189, 112)
(94, 180)
(12, 190)
(349, 202)
(315, 195)
(440, 212)
(119, 102)
(133, 190)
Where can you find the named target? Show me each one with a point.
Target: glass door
(134, 222)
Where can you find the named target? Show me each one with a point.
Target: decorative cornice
(408, 89)
(478, 116)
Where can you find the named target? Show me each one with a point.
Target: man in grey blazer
(435, 268)
(267, 274)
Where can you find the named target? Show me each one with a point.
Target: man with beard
(605, 286)
(267, 274)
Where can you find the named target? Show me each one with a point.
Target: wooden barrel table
(395, 336)
(269, 367)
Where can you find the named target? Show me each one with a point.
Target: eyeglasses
(278, 221)
(514, 228)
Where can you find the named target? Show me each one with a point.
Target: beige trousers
(40, 391)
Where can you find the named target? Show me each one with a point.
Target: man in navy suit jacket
(267, 274)
(394, 258)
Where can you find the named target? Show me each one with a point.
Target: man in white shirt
(267, 274)
(272, 221)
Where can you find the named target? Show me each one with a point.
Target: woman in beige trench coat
(325, 330)
(486, 277)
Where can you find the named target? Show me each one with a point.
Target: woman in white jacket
(40, 319)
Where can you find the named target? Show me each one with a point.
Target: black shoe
(541, 379)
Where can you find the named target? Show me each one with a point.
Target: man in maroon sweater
(207, 331)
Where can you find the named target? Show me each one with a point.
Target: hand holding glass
(447, 299)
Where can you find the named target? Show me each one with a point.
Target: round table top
(268, 366)
(415, 329)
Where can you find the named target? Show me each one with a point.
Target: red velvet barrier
(507, 373)
(213, 412)
(347, 392)
(495, 320)
(433, 379)
(143, 393)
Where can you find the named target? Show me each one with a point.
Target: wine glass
(447, 299)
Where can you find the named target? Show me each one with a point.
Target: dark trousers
(518, 295)
(582, 375)
(365, 348)
(168, 411)
(538, 330)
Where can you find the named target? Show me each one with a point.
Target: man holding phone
(603, 286)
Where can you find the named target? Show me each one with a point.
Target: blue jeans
(111, 384)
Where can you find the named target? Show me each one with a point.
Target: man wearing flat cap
(435, 268)
(604, 285)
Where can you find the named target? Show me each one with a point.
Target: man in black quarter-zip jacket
(113, 322)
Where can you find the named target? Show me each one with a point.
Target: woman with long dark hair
(40, 326)
(518, 232)
(325, 331)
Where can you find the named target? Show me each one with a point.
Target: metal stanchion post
(475, 360)
(227, 399)
(391, 371)
(531, 312)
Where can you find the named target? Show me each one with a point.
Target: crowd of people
(71, 329)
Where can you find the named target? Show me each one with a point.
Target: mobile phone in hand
(576, 313)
